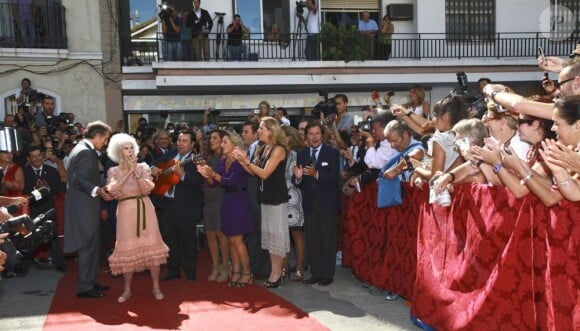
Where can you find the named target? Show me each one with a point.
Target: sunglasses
(558, 84)
(527, 121)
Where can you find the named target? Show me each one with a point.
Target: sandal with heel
(246, 283)
(234, 280)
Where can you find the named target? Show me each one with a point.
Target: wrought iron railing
(42, 25)
(403, 46)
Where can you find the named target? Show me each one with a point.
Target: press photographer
(171, 27)
(27, 98)
(24, 236)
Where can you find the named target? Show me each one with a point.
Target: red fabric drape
(487, 262)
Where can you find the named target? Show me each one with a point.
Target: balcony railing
(403, 46)
(42, 25)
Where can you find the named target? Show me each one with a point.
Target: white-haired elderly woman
(139, 245)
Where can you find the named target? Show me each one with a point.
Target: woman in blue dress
(236, 207)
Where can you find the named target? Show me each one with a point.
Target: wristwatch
(497, 167)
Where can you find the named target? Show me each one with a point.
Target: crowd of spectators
(289, 173)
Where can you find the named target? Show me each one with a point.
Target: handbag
(389, 190)
(389, 193)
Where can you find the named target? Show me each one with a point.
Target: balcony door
(348, 12)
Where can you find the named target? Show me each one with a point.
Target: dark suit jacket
(51, 176)
(204, 20)
(82, 211)
(323, 190)
(188, 193)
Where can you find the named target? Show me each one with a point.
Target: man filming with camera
(312, 49)
(171, 27)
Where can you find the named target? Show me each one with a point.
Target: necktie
(313, 157)
(38, 173)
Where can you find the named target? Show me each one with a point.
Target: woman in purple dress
(236, 207)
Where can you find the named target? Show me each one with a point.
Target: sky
(146, 8)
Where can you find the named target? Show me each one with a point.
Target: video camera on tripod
(300, 5)
(220, 16)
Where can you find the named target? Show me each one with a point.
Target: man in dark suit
(259, 258)
(180, 209)
(85, 188)
(37, 175)
(317, 173)
(201, 23)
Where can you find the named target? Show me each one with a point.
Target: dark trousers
(179, 234)
(259, 258)
(320, 227)
(89, 262)
(312, 51)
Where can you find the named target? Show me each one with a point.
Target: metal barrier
(403, 46)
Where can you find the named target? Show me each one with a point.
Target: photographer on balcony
(236, 32)
(312, 49)
(201, 23)
(171, 27)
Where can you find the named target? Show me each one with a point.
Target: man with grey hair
(399, 136)
(85, 188)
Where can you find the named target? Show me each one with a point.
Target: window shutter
(372, 5)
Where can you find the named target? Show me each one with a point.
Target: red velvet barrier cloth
(380, 244)
(487, 262)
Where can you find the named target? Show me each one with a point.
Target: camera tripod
(300, 29)
(219, 31)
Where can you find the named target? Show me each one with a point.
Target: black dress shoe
(100, 287)
(170, 277)
(311, 280)
(91, 294)
(325, 282)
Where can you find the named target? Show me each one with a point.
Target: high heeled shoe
(275, 284)
(234, 280)
(298, 276)
(224, 272)
(215, 271)
(246, 283)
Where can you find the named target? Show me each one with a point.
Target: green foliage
(341, 43)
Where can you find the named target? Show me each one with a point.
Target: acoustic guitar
(167, 178)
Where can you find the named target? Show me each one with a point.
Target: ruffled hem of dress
(138, 259)
(276, 250)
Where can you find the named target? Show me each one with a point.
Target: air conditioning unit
(400, 11)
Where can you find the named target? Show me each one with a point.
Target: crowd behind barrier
(489, 261)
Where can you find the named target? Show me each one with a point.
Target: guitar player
(179, 210)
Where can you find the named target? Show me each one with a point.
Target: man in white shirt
(312, 49)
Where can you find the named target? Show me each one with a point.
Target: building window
(260, 15)
(470, 20)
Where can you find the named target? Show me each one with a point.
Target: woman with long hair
(295, 212)
(274, 194)
(139, 245)
(212, 213)
(236, 210)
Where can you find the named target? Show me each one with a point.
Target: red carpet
(200, 305)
